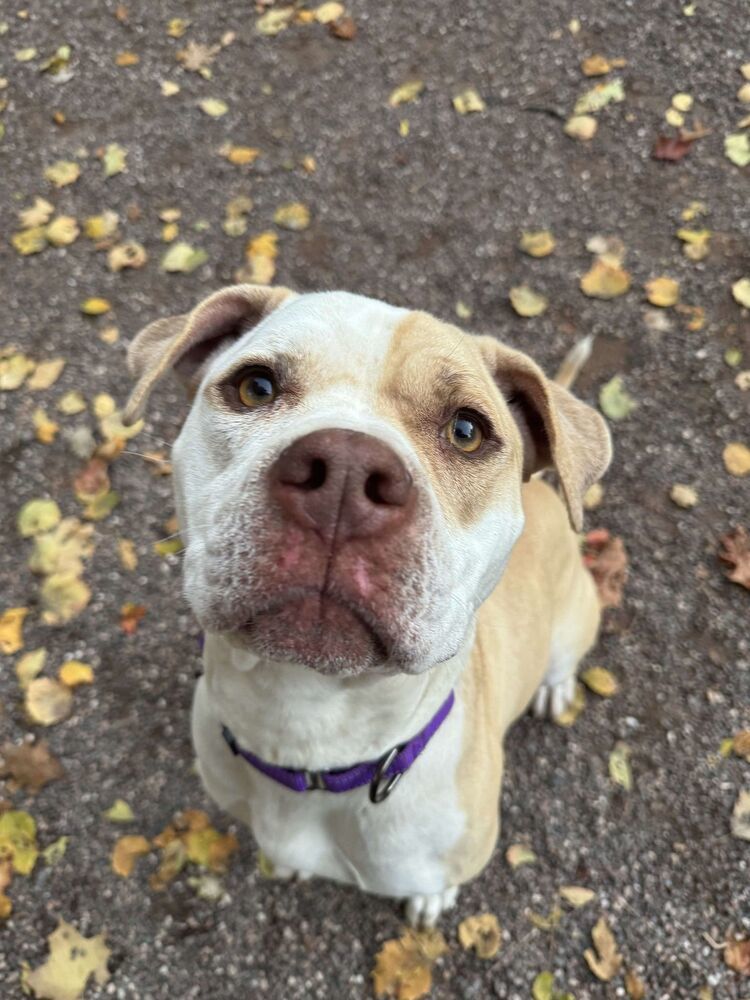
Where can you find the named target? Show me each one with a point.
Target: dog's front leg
(425, 910)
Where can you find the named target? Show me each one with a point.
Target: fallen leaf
(741, 292)
(405, 93)
(737, 148)
(619, 766)
(57, 62)
(62, 173)
(37, 516)
(605, 963)
(74, 672)
(177, 26)
(526, 301)
(30, 665)
(168, 546)
(119, 812)
(538, 243)
(129, 254)
(260, 253)
(543, 988)
(30, 241)
(600, 681)
(95, 307)
(25, 55)
(55, 851)
(697, 242)
(602, 94)
(213, 107)
(546, 922)
(569, 715)
(581, 127)
(240, 155)
(519, 854)
(14, 371)
(735, 553)
(274, 20)
(62, 550)
(683, 496)
(169, 88)
(344, 28)
(38, 215)
(634, 987)
(736, 457)
(328, 11)
(607, 561)
(663, 292)
(403, 966)
(73, 960)
(18, 840)
(126, 552)
(11, 629)
(62, 231)
(577, 895)
(101, 227)
(47, 701)
(614, 399)
(468, 102)
(741, 741)
(182, 258)
(130, 615)
(30, 766)
(737, 955)
(46, 374)
(64, 597)
(113, 159)
(671, 148)
(295, 216)
(593, 496)
(482, 934)
(605, 280)
(126, 852)
(125, 59)
(741, 816)
(45, 428)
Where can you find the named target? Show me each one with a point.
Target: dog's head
(348, 479)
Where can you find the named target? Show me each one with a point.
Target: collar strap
(381, 775)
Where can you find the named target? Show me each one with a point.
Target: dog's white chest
(397, 847)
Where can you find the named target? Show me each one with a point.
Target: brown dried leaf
(737, 955)
(606, 558)
(735, 553)
(403, 966)
(671, 148)
(30, 766)
(482, 933)
(606, 961)
(126, 852)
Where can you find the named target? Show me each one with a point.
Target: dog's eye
(257, 387)
(464, 431)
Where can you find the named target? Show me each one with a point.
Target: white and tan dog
(383, 586)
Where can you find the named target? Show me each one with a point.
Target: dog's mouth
(319, 629)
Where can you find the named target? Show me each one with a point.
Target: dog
(384, 581)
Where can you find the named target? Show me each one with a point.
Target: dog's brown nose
(342, 484)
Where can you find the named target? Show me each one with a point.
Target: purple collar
(381, 775)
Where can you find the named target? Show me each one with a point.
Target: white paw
(424, 910)
(282, 872)
(553, 699)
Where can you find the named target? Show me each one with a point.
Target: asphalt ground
(424, 220)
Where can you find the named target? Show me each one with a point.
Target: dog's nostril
(375, 488)
(316, 476)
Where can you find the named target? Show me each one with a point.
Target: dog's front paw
(424, 910)
(553, 699)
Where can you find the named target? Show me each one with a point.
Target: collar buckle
(382, 785)
(314, 781)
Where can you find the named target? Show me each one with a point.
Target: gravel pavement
(425, 220)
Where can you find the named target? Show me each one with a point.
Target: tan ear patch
(189, 339)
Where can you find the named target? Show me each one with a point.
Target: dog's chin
(317, 631)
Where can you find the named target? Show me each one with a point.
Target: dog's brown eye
(464, 432)
(257, 388)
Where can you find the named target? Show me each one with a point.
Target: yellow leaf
(62, 549)
(274, 21)
(683, 496)
(18, 840)
(574, 709)
(328, 12)
(46, 429)
(30, 665)
(46, 374)
(128, 254)
(406, 93)
(169, 88)
(127, 554)
(119, 812)
(519, 854)
(30, 241)
(240, 155)
(576, 895)
(295, 216)
(537, 244)
(482, 933)
(605, 281)
(168, 546)
(737, 458)
(71, 402)
(596, 66)
(737, 148)
(635, 987)
(101, 227)
(213, 107)
(14, 370)
(113, 159)
(38, 215)
(55, 851)
(526, 301)
(95, 307)
(126, 852)
(606, 961)
(619, 766)
(177, 26)
(600, 681)
(64, 596)
(25, 55)
(260, 253)
(468, 102)
(170, 232)
(403, 966)
(11, 627)
(62, 231)
(741, 292)
(62, 173)
(37, 516)
(593, 496)
(73, 960)
(663, 292)
(602, 94)
(182, 258)
(674, 118)
(683, 102)
(127, 59)
(74, 672)
(581, 127)
(47, 701)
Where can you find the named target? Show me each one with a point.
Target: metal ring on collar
(381, 785)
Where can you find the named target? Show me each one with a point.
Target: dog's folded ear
(186, 342)
(557, 429)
